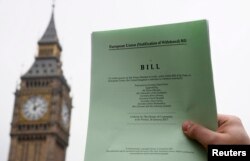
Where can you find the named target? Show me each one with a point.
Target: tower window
(37, 83)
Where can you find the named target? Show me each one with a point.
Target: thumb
(199, 133)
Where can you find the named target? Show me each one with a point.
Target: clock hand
(34, 108)
(38, 104)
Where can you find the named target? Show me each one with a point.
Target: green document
(144, 83)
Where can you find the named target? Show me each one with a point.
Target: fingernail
(186, 125)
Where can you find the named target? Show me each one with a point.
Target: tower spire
(50, 34)
(53, 5)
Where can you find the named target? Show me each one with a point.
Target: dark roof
(50, 35)
(44, 68)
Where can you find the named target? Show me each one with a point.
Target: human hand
(230, 131)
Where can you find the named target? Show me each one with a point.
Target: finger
(222, 119)
(198, 133)
(229, 119)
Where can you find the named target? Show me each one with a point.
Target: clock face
(35, 108)
(65, 115)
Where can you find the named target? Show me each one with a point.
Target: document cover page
(144, 83)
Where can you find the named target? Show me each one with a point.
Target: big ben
(42, 108)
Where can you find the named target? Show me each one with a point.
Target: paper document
(144, 83)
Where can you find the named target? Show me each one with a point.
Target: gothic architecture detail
(42, 107)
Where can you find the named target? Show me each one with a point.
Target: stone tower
(42, 107)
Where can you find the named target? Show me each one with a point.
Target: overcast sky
(22, 23)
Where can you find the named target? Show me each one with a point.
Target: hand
(230, 131)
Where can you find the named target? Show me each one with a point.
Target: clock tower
(42, 107)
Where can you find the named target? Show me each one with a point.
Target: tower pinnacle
(50, 34)
(53, 4)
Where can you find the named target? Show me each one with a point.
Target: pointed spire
(50, 35)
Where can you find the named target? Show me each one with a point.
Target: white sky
(22, 23)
